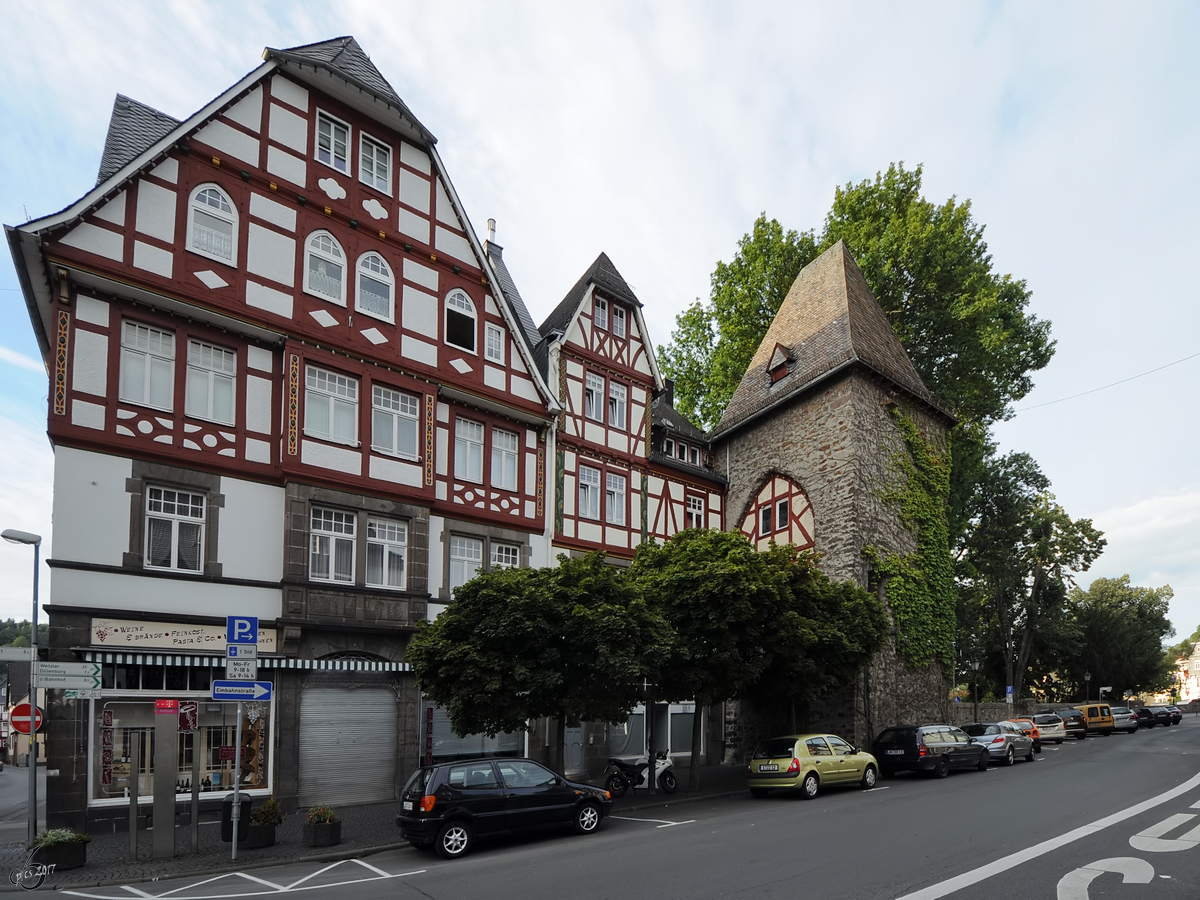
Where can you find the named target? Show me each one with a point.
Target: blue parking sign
(241, 630)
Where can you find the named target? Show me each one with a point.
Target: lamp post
(1087, 686)
(975, 689)
(35, 540)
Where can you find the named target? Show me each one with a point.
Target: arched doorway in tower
(779, 512)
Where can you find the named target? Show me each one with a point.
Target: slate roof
(133, 128)
(508, 288)
(605, 276)
(828, 319)
(346, 58)
(666, 416)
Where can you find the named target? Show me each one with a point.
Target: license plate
(772, 767)
(407, 805)
(893, 752)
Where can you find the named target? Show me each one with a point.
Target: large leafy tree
(574, 643)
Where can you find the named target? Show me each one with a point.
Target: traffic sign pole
(237, 780)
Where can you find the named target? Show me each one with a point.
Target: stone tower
(809, 444)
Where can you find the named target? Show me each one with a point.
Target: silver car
(1124, 719)
(1051, 727)
(1004, 741)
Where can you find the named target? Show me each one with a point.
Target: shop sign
(189, 715)
(166, 707)
(227, 754)
(126, 634)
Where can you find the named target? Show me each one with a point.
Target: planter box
(322, 835)
(259, 836)
(63, 856)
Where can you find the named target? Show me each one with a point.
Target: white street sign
(66, 669)
(241, 651)
(69, 682)
(14, 654)
(241, 669)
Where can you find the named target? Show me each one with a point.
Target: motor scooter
(620, 776)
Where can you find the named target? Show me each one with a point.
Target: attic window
(460, 321)
(669, 447)
(777, 368)
(618, 320)
(333, 140)
(601, 313)
(212, 224)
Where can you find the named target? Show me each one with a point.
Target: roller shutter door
(347, 745)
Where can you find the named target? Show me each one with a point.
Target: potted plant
(62, 848)
(322, 827)
(262, 825)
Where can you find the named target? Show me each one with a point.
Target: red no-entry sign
(21, 715)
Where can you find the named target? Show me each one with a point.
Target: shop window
(147, 366)
(174, 529)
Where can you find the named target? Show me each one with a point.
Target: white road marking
(1151, 840)
(958, 882)
(136, 892)
(884, 788)
(234, 895)
(666, 823)
(1074, 885)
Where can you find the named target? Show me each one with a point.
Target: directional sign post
(15, 654)
(241, 690)
(240, 632)
(68, 676)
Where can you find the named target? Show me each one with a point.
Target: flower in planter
(270, 813)
(57, 836)
(321, 815)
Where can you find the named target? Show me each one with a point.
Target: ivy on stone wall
(920, 585)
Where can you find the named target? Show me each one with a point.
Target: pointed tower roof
(133, 128)
(828, 321)
(605, 276)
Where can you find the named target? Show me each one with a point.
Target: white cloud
(26, 489)
(12, 357)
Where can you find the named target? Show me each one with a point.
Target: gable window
(210, 375)
(387, 547)
(601, 314)
(148, 366)
(394, 417)
(765, 521)
(695, 512)
(494, 343)
(325, 268)
(589, 492)
(212, 224)
(374, 164)
(668, 448)
(333, 139)
(460, 321)
(781, 515)
(505, 556)
(618, 320)
(593, 391)
(616, 404)
(466, 559)
(375, 287)
(614, 499)
(174, 529)
(330, 406)
(331, 553)
(504, 460)
(468, 450)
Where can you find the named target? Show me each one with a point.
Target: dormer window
(325, 268)
(333, 142)
(212, 224)
(375, 287)
(618, 320)
(695, 456)
(683, 451)
(601, 315)
(777, 368)
(668, 447)
(460, 321)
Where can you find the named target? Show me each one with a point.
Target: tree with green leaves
(573, 643)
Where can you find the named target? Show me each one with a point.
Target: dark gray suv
(935, 749)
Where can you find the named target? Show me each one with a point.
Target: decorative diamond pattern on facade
(60, 363)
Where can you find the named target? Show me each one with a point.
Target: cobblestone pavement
(366, 829)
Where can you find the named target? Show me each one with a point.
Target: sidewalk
(366, 829)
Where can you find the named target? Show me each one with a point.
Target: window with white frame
(466, 559)
(387, 549)
(618, 320)
(331, 553)
(504, 460)
(210, 377)
(505, 556)
(593, 394)
(614, 499)
(683, 451)
(589, 492)
(494, 343)
(694, 457)
(468, 450)
(617, 394)
(333, 142)
(668, 447)
(460, 321)
(148, 366)
(695, 511)
(174, 529)
(212, 224)
(325, 268)
(394, 419)
(375, 287)
(330, 406)
(781, 515)
(601, 315)
(375, 164)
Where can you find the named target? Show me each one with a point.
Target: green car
(807, 763)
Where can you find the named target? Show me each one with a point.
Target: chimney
(669, 392)
(491, 231)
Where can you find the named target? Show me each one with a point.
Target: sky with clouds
(657, 132)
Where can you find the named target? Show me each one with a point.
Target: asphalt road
(1082, 818)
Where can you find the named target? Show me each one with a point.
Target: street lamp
(1087, 686)
(35, 540)
(975, 690)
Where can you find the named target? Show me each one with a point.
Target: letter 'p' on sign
(241, 630)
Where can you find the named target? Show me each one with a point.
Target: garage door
(347, 745)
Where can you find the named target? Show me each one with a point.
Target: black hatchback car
(935, 749)
(448, 804)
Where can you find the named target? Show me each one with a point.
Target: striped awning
(266, 662)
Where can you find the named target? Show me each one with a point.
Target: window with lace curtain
(174, 529)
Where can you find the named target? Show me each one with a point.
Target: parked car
(1004, 741)
(1124, 719)
(1098, 718)
(1027, 726)
(935, 749)
(1149, 716)
(449, 804)
(1051, 727)
(1073, 722)
(1176, 714)
(807, 763)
